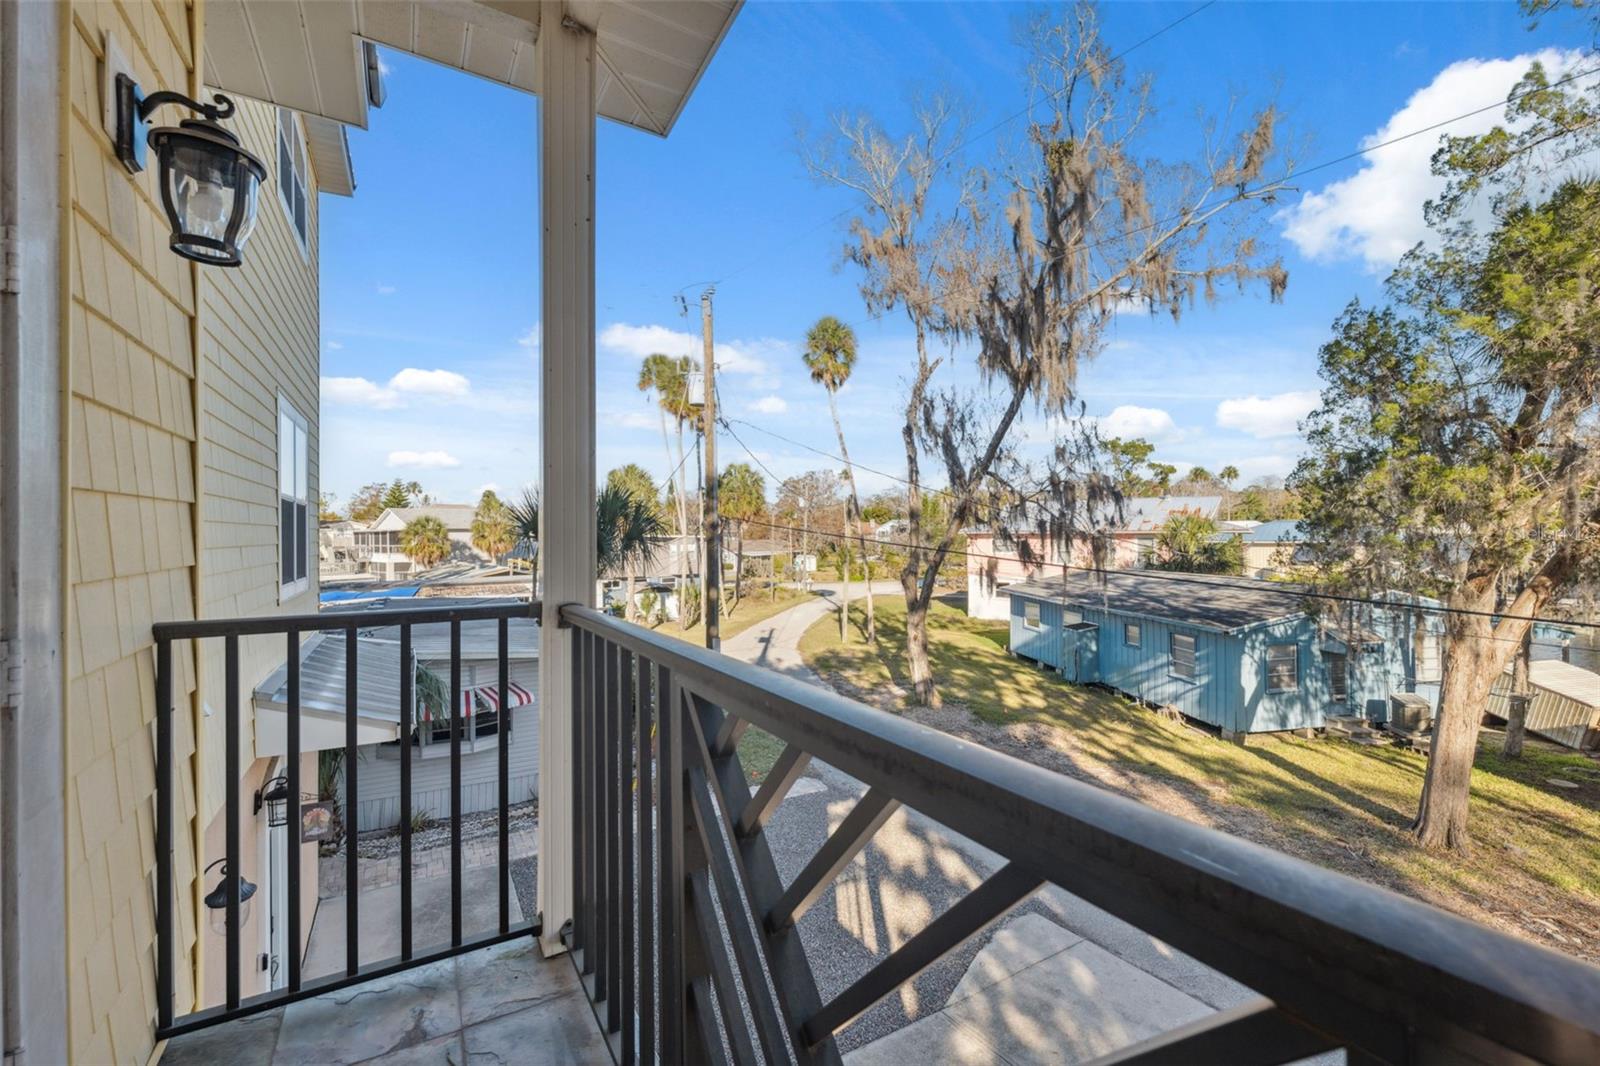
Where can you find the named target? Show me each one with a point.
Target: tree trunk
(844, 594)
(925, 692)
(1473, 658)
(628, 613)
(853, 515)
(738, 569)
(1517, 704)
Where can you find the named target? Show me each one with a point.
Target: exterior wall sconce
(274, 796)
(217, 899)
(209, 183)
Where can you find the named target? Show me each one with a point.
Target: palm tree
(668, 378)
(628, 529)
(1228, 475)
(491, 526)
(524, 515)
(830, 355)
(426, 541)
(741, 496)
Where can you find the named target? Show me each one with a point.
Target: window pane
(302, 490)
(286, 460)
(301, 531)
(285, 170)
(1338, 678)
(1030, 614)
(1180, 647)
(286, 541)
(1283, 667)
(1130, 635)
(300, 210)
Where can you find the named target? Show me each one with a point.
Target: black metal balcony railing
(293, 628)
(685, 936)
(683, 929)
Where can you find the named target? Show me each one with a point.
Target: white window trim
(1429, 669)
(1138, 635)
(1038, 622)
(1267, 667)
(1173, 671)
(293, 120)
(300, 586)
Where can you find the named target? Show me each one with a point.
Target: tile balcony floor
(501, 1004)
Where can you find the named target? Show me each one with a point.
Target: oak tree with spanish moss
(1019, 269)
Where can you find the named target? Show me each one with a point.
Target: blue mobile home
(1239, 654)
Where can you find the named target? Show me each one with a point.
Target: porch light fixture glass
(217, 900)
(209, 184)
(274, 796)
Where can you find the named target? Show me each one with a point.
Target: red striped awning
(487, 697)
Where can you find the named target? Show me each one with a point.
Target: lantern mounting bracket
(134, 110)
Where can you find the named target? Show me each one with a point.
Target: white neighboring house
(322, 660)
(379, 543)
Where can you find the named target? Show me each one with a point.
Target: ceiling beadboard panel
(306, 54)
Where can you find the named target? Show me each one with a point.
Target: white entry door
(278, 904)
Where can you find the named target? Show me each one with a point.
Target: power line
(1179, 578)
(839, 215)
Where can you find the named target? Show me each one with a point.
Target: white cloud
(430, 382)
(423, 460)
(769, 405)
(358, 392)
(487, 486)
(424, 384)
(530, 339)
(334, 346)
(1376, 213)
(733, 357)
(630, 419)
(385, 290)
(1150, 423)
(1267, 416)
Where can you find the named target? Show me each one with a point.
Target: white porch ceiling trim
(306, 54)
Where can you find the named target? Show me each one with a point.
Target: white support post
(565, 61)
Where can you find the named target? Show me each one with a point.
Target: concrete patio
(502, 1004)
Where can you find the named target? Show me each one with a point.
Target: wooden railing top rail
(1363, 966)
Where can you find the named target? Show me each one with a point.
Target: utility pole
(711, 520)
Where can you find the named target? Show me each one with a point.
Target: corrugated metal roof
(1564, 679)
(322, 679)
(1213, 602)
(378, 660)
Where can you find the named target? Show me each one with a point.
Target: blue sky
(430, 273)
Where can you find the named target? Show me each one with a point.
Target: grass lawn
(758, 749)
(755, 607)
(1535, 868)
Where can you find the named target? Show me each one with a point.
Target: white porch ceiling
(306, 54)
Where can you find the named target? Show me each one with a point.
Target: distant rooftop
(1224, 603)
(1279, 531)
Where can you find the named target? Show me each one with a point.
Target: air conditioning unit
(1410, 712)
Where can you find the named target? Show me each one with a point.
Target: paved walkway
(1058, 981)
(775, 642)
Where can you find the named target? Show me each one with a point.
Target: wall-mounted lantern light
(209, 183)
(274, 796)
(217, 899)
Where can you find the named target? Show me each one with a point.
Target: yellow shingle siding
(130, 540)
(258, 338)
(158, 389)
